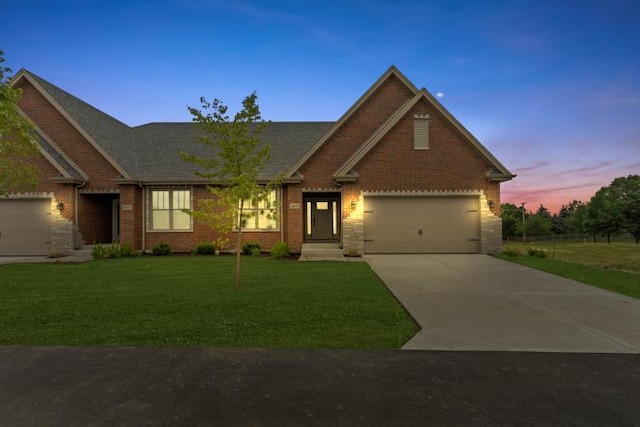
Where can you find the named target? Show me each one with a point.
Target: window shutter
(421, 132)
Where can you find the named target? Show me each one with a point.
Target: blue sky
(551, 88)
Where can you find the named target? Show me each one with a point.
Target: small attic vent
(421, 132)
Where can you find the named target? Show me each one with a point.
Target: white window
(260, 214)
(166, 209)
(421, 132)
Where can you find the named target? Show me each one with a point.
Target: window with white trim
(166, 209)
(260, 213)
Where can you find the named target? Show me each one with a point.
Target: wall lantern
(60, 206)
(492, 204)
(353, 204)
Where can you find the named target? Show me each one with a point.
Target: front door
(322, 218)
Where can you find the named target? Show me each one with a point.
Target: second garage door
(25, 227)
(421, 225)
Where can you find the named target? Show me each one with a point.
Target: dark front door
(322, 216)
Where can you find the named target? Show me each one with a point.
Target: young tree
(17, 150)
(237, 158)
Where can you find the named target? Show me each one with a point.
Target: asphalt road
(67, 386)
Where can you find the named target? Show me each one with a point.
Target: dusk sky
(551, 88)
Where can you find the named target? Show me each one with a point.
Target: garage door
(421, 225)
(25, 227)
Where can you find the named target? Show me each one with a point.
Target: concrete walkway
(478, 302)
(81, 255)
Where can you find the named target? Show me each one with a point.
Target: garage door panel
(25, 227)
(421, 225)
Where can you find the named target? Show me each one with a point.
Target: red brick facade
(452, 164)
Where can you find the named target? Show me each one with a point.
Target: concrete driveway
(478, 302)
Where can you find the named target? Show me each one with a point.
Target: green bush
(161, 249)
(280, 250)
(206, 249)
(126, 250)
(250, 248)
(538, 252)
(512, 252)
(113, 250)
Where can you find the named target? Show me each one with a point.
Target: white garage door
(421, 225)
(25, 227)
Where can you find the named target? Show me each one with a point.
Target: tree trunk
(239, 245)
(238, 252)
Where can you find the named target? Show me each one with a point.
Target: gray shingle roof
(161, 142)
(150, 152)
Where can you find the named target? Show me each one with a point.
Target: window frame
(171, 210)
(255, 210)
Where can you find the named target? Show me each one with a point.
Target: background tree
(511, 218)
(538, 225)
(604, 216)
(17, 150)
(569, 219)
(237, 158)
(627, 192)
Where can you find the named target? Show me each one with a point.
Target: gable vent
(421, 132)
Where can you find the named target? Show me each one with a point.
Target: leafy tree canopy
(236, 160)
(17, 150)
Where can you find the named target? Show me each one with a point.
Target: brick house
(397, 173)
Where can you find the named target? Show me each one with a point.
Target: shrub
(250, 248)
(161, 249)
(280, 250)
(113, 250)
(206, 249)
(512, 252)
(538, 252)
(126, 250)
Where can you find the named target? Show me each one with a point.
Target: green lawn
(191, 301)
(615, 266)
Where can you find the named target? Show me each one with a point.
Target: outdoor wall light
(353, 204)
(60, 206)
(492, 204)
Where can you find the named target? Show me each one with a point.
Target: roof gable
(499, 172)
(107, 135)
(391, 72)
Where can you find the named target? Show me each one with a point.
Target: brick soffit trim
(25, 75)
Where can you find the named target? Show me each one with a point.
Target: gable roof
(106, 134)
(149, 153)
(498, 173)
(392, 71)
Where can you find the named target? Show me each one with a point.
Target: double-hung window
(166, 209)
(260, 213)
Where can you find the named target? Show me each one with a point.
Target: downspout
(143, 225)
(281, 216)
(75, 214)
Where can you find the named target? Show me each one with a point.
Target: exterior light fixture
(353, 204)
(60, 206)
(492, 204)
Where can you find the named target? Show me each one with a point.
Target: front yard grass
(191, 301)
(615, 266)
